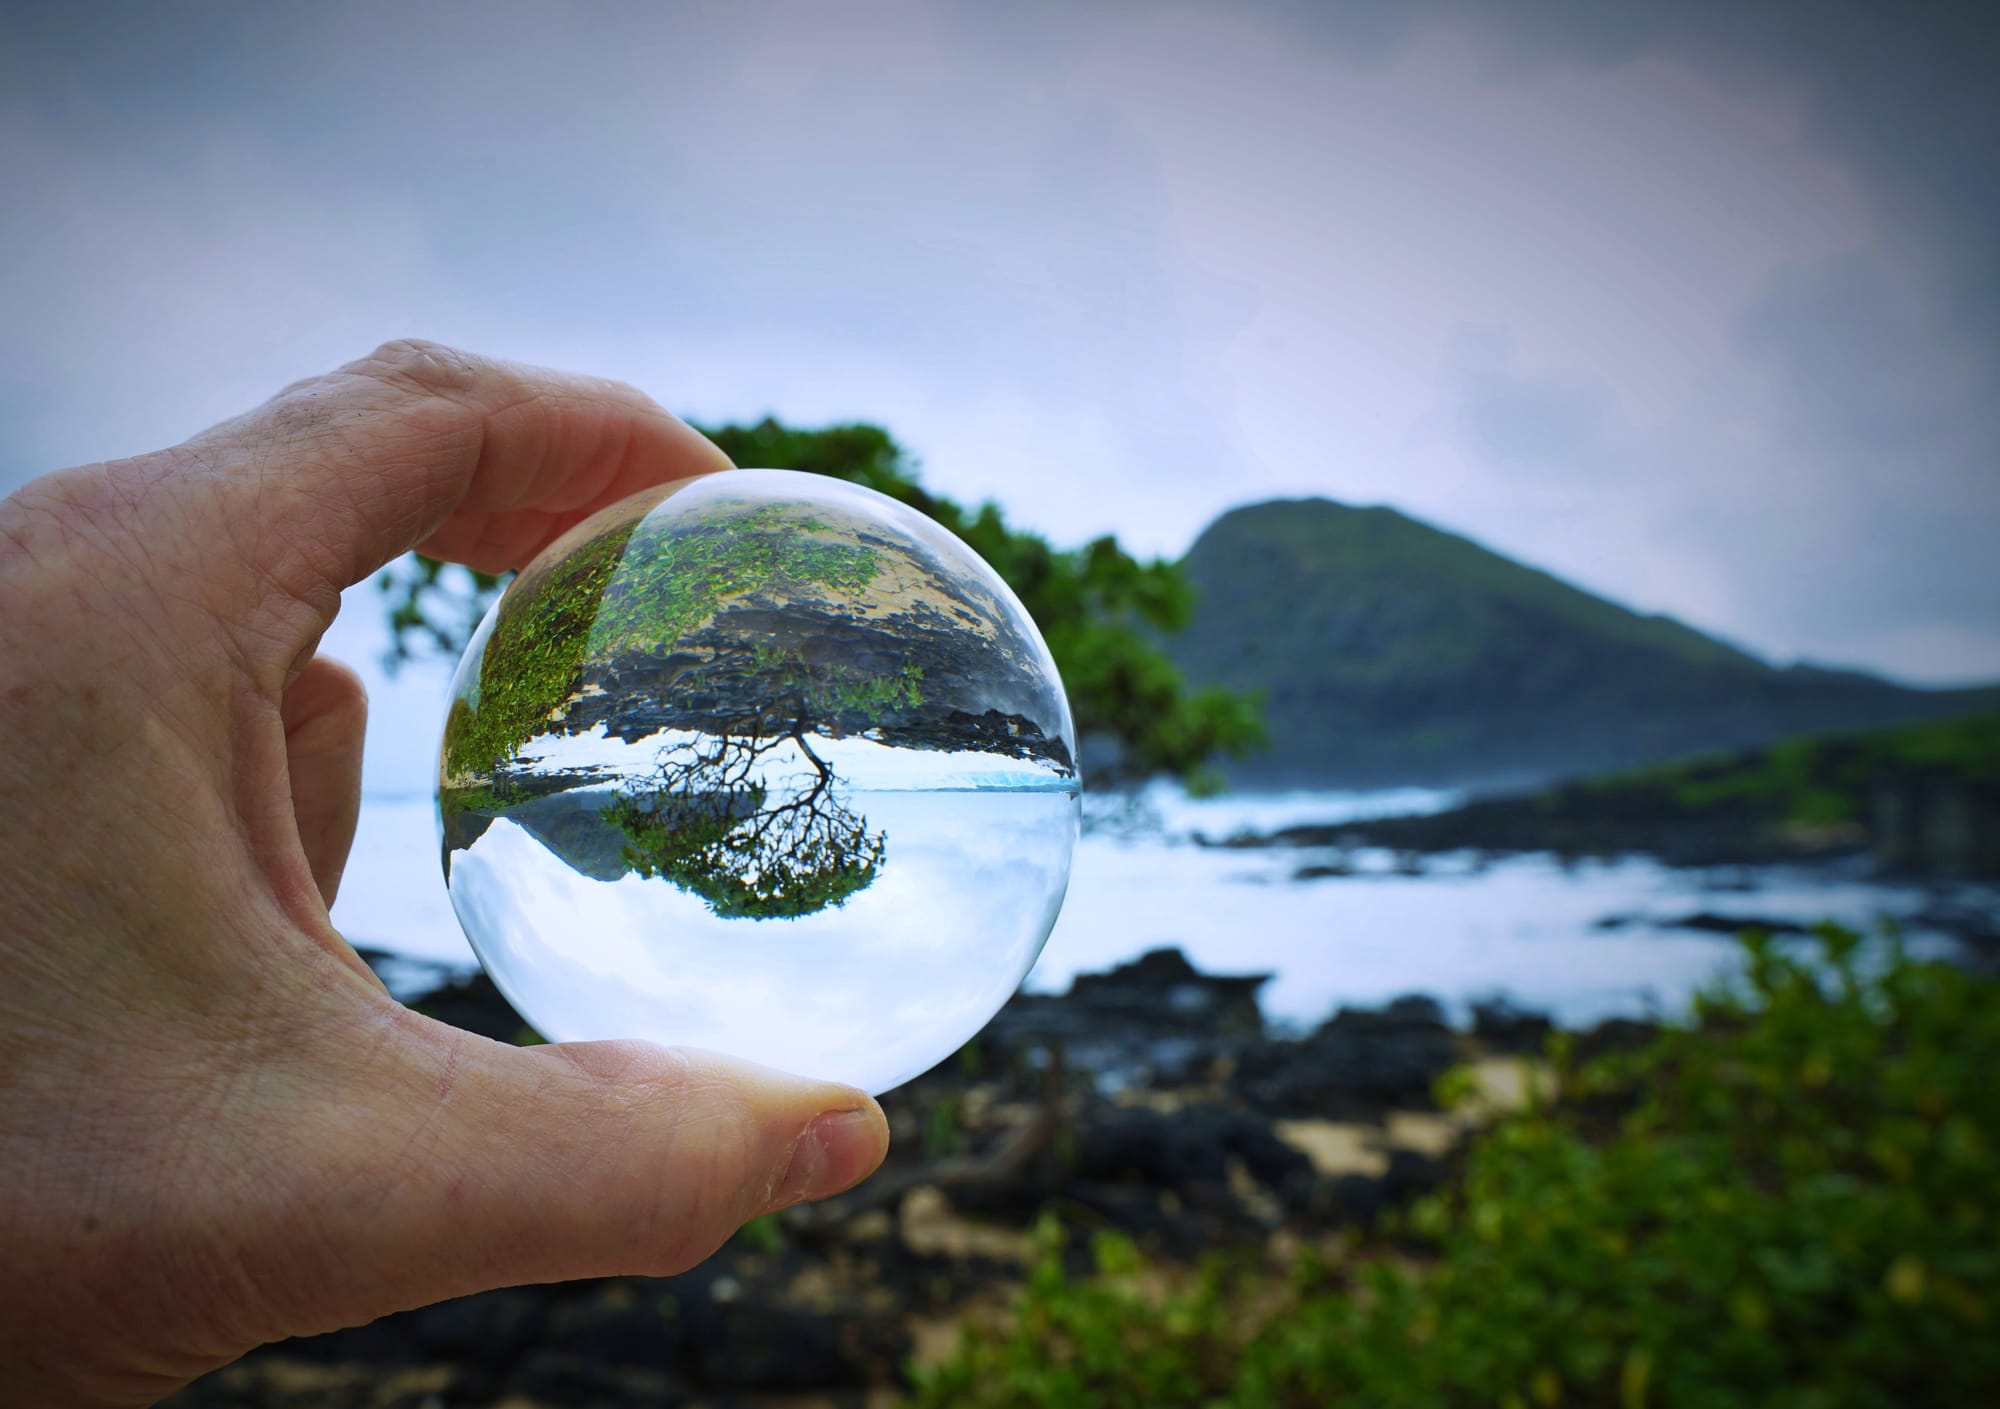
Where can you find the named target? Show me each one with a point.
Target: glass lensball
(764, 763)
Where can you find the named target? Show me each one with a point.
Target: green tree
(717, 820)
(742, 811)
(1102, 611)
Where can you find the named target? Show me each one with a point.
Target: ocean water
(1527, 928)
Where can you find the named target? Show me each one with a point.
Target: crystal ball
(765, 763)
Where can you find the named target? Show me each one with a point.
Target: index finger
(474, 460)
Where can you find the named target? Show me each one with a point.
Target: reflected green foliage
(846, 690)
(1790, 1201)
(532, 659)
(670, 583)
(477, 798)
(811, 695)
(614, 594)
(709, 823)
(720, 817)
(1102, 611)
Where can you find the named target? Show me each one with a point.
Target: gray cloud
(1898, 407)
(1519, 418)
(1882, 365)
(718, 204)
(1119, 268)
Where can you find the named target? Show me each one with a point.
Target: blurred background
(1562, 442)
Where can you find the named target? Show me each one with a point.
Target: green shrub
(1790, 1201)
(1813, 780)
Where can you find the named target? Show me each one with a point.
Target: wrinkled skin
(216, 1128)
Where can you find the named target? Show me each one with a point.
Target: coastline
(1152, 1098)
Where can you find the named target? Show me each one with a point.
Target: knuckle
(351, 416)
(423, 365)
(303, 415)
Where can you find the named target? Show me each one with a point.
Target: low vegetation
(1823, 779)
(1919, 799)
(1791, 1200)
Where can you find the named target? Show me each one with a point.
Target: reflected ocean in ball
(764, 763)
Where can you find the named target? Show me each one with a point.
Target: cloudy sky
(1696, 304)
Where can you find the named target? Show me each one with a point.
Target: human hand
(216, 1128)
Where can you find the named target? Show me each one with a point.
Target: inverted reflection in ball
(764, 763)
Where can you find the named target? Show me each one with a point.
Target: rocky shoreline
(1151, 1099)
(1830, 800)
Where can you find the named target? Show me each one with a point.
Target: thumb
(480, 1165)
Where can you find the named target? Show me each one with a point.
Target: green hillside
(1390, 652)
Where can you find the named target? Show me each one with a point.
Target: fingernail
(836, 1150)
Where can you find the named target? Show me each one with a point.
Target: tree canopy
(1102, 611)
(707, 822)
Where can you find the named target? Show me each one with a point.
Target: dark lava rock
(1358, 1198)
(1188, 1150)
(1161, 988)
(1976, 929)
(767, 1349)
(1155, 1022)
(1362, 1198)
(1410, 1010)
(1134, 1209)
(634, 1337)
(1361, 1060)
(1411, 1173)
(1323, 871)
(492, 1327)
(1506, 1028)
(1613, 1035)
(1711, 923)
(563, 1380)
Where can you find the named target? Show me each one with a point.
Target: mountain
(1393, 653)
